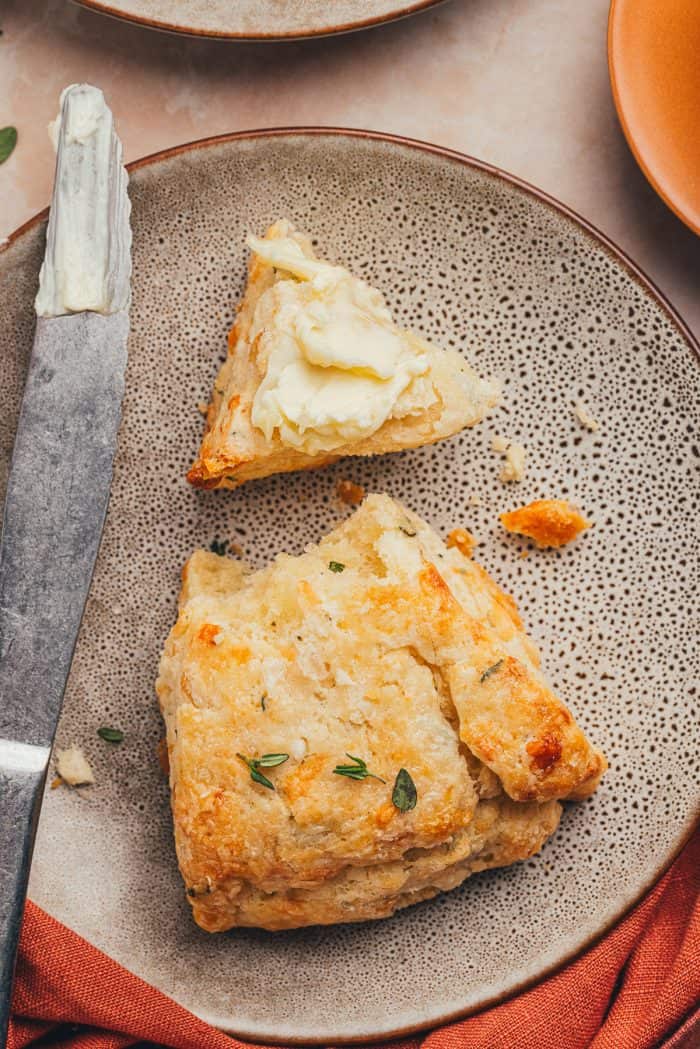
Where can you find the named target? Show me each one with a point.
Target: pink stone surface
(520, 85)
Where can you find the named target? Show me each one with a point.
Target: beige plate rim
(650, 289)
(404, 10)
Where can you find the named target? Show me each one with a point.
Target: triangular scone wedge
(317, 370)
(379, 643)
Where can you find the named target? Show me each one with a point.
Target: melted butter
(336, 367)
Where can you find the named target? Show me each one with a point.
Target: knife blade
(60, 475)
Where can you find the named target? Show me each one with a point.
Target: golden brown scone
(380, 643)
(234, 450)
(550, 522)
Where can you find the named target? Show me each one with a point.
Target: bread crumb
(463, 540)
(349, 493)
(514, 467)
(475, 500)
(73, 767)
(550, 522)
(585, 418)
(202, 407)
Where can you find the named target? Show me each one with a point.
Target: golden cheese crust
(381, 643)
(550, 522)
(234, 451)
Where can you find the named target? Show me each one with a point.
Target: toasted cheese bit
(349, 493)
(585, 418)
(56, 782)
(514, 467)
(210, 634)
(73, 767)
(550, 522)
(463, 540)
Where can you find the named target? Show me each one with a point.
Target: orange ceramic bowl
(654, 58)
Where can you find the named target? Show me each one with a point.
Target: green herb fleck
(263, 700)
(8, 141)
(267, 761)
(110, 735)
(357, 771)
(491, 670)
(271, 761)
(404, 795)
(336, 566)
(219, 546)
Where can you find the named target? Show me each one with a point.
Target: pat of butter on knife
(87, 265)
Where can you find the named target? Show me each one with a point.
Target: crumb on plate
(585, 418)
(513, 468)
(550, 522)
(202, 407)
(349, 493)
(463, 540)
(474, 499)
(73, 767)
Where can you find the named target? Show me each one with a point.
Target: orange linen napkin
(638, 988)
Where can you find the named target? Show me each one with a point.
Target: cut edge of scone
(521, 747)
(233, 451)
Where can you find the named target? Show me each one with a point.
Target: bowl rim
(648, 286)
(403, 11)
(619, 96)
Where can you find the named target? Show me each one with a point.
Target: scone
(317, 369)
(356, 729)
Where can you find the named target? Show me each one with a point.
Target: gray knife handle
(20, 799)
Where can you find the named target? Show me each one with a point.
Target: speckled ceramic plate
(476, 260)
(259, 19)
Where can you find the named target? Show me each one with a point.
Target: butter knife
(60, 474)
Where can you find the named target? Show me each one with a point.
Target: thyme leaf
(404, 795)
(267, 761)
(357, 771)
(8, 141)
(110, 735)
